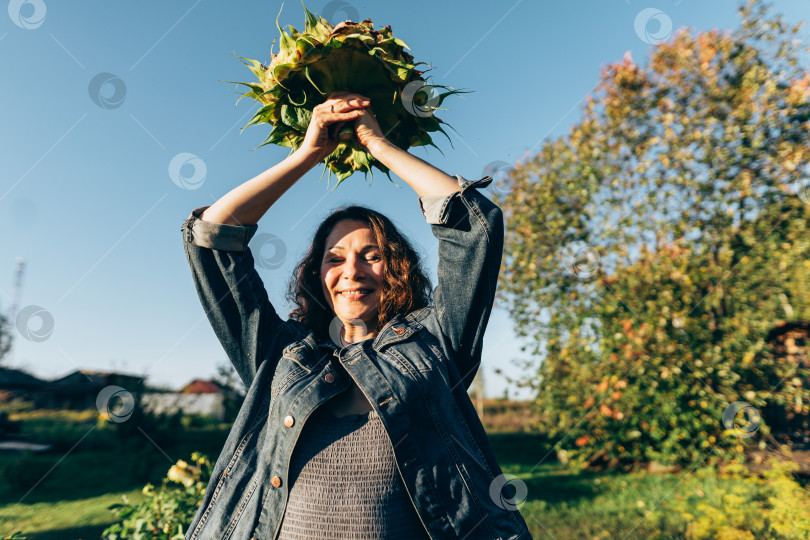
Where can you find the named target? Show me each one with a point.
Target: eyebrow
(337, 247)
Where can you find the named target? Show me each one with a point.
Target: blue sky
(86, 198)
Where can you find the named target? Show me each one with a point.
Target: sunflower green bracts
(349, 56)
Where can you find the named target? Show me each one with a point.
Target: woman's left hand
(368, 130)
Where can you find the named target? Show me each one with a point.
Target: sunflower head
(352, 56)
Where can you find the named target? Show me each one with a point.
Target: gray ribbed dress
(345, 483)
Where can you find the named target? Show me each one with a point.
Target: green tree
(650, 250)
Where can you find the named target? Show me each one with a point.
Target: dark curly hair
(405, 288)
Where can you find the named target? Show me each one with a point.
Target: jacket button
(329, 378)
(276, 481)
(289, 421)
(399, 331)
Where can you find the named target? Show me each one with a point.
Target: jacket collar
(399, 328)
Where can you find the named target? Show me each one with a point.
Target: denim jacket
(415, 373)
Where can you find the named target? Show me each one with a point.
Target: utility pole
(19, 269)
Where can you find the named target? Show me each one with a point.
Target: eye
(374, 258)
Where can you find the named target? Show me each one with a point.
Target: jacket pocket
(412, 359)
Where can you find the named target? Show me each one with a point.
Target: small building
(201, 397)
(78, 390)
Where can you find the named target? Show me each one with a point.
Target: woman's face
(352, 261)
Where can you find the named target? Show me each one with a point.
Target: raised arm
(216, 237)
(470, 231)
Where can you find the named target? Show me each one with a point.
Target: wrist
(379, 148)
(306, 158)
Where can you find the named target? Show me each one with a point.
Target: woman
(357, 422)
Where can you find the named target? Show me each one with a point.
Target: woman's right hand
(327, 120)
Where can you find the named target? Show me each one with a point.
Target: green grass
(563, 503)
(82, 518)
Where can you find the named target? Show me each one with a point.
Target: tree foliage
(649, 251)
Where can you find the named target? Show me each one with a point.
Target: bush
(168, 511)
(772, 506)
(16, 405)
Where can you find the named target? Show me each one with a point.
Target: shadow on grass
(531, 456)
(559, 488)
(83, 474)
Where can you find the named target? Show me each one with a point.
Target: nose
(354, 267)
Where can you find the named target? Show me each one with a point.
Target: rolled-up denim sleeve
(470, 230)
(231, 291)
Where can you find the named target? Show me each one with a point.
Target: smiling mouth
(354, 295)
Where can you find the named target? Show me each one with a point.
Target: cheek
(324, 277)
(379, 272)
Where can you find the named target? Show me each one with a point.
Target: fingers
(369, 116)
(343, 108)
(326, 118)
(346, 103)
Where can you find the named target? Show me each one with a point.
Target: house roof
(97, 378)
(15, 378)
(199, 386)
